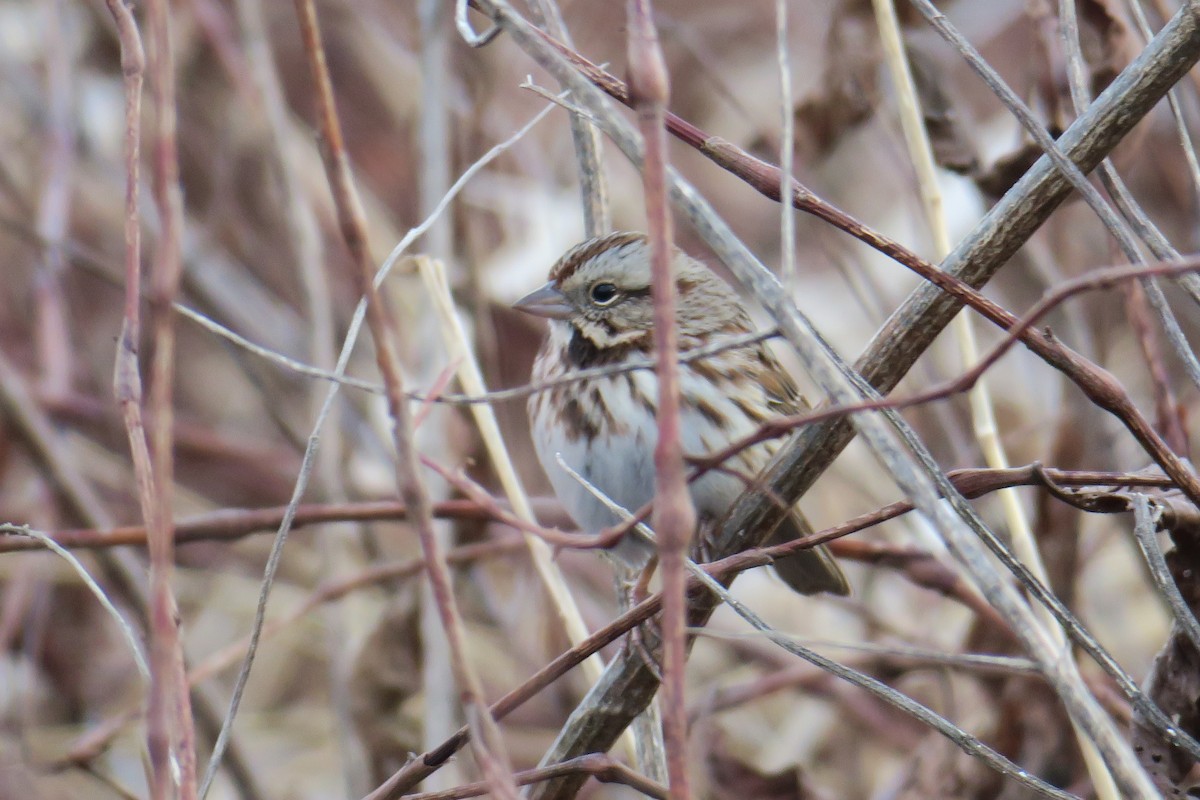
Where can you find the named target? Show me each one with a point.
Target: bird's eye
(603, 293)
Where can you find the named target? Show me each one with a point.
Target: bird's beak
(546, 302)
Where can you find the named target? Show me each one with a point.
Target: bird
(600, 312)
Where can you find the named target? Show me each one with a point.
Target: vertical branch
(126, 380)
(166, 650)
(485, 737)
(674, 516)
(127, 387)
(593, 185)
(435, 131)
(787, 134)
(1166, 407)
(168, 715)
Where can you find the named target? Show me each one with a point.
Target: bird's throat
(598, 345)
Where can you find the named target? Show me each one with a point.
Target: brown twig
(231, 524)
(169, 694)
(127, 386)
(1166, 407)
(674, 517)
(492, 507)
(593, 183)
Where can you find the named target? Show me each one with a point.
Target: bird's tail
(809, 571)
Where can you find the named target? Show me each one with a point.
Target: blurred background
(354, 680)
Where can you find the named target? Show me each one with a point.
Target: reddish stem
(674, 516)
(169, 675)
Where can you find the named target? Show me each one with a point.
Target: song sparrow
(600, 311)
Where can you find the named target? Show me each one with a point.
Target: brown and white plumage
(600, 310)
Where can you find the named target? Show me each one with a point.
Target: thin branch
(787, 147)
(593, 182)
(128, 391)
(233, 524)
(296, 366)
(1145, 530)
(169, 696)
(674, 515)
(476, 398)
(131, 638)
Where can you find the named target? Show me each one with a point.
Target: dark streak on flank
(596, 398)
(738, 325)
(635, 393)
(577, 422)
(708, 369)
(708, 411)
(750, 410)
